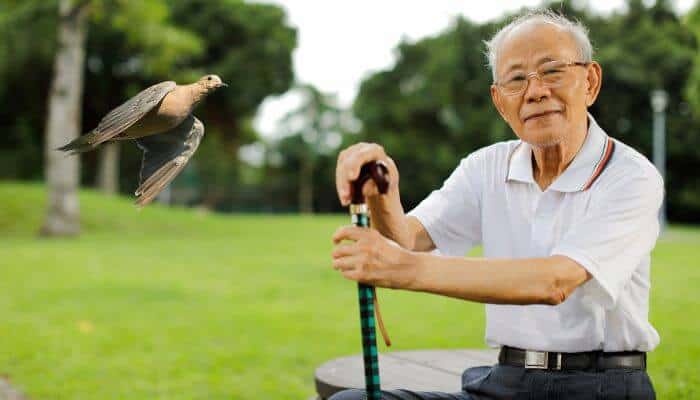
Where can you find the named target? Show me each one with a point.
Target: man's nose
(535, 90)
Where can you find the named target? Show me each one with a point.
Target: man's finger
(346, 264)
(365, 153)
(350, 163)
(352, 274)
(370, 188)
(342, 187)
(344, 250)
(348, 233)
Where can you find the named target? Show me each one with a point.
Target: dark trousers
(506, 382)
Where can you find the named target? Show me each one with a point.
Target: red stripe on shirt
(601, 166)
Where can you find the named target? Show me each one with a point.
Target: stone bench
(421, 370)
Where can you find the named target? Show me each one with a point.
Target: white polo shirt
(602, 212)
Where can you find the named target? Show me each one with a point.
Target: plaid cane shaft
(367, 327)
(369, 341)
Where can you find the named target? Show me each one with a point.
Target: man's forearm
(547, 280)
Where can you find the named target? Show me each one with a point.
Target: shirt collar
(580, 174)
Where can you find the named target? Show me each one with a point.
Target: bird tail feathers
(82, 144)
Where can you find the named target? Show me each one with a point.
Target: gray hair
(574, 28)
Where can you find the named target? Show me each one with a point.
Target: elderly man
(567, 218)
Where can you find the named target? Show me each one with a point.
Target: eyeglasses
(552, 74)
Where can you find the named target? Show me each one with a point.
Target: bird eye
(209, 78)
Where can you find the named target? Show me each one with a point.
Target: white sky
(341, 42)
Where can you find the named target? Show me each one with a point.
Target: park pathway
(7, 392)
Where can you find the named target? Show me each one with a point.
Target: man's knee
(350, 394)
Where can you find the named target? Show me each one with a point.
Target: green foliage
(311, 135)
(434, 107)
(248, 45)
(318, 120)
(177, 304)
(150, 34)
(27, 29)
(429, 110)
(131, 45)
(692, 20)
(215, 171)
(659, 54)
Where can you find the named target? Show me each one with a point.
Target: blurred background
(224, 289)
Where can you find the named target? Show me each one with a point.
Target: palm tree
(318, 122)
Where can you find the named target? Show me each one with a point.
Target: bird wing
(165, 155)
(122, 117)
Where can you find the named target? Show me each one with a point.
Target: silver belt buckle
(539, 360)
(536, 359)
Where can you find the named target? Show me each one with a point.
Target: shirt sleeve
(618, 233)
(452, 214)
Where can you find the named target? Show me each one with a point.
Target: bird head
(211, 82)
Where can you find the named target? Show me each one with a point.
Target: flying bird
(160, 120)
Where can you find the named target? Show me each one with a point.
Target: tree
(108, 168)
(64, 118)
(142, 43)
(250, 46)
(315, 125)
(131, 45)
(433, 106)
(63, 122)
(640, 50)
(692, 20)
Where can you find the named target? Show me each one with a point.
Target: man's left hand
(371, 258)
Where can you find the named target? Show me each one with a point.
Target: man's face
(541, 115)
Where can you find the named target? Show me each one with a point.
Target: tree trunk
(63, 123)
(306, 184)
(165, 196)
(108, 169)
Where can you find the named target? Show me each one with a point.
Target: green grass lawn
(181, 304)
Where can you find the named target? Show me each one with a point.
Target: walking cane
(367, 295)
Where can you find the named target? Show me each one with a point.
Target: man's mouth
(539, 115)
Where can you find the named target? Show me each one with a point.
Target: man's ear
(594, 80)
(498, 101)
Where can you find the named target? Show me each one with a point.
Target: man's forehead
(535, 43)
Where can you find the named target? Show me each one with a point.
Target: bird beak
(223, 85)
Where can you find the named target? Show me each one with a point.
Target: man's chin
(542, 139)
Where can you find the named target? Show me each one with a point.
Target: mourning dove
(160, 120)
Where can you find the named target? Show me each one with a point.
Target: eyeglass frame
(535, 74)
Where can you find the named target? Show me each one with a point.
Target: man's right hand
(348, 167)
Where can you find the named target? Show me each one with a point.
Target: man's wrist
(384, 204)
(414, 265)
(387, 216)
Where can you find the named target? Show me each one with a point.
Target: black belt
(591, 360)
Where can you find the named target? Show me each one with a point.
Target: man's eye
(551, 71)
(516, 78)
